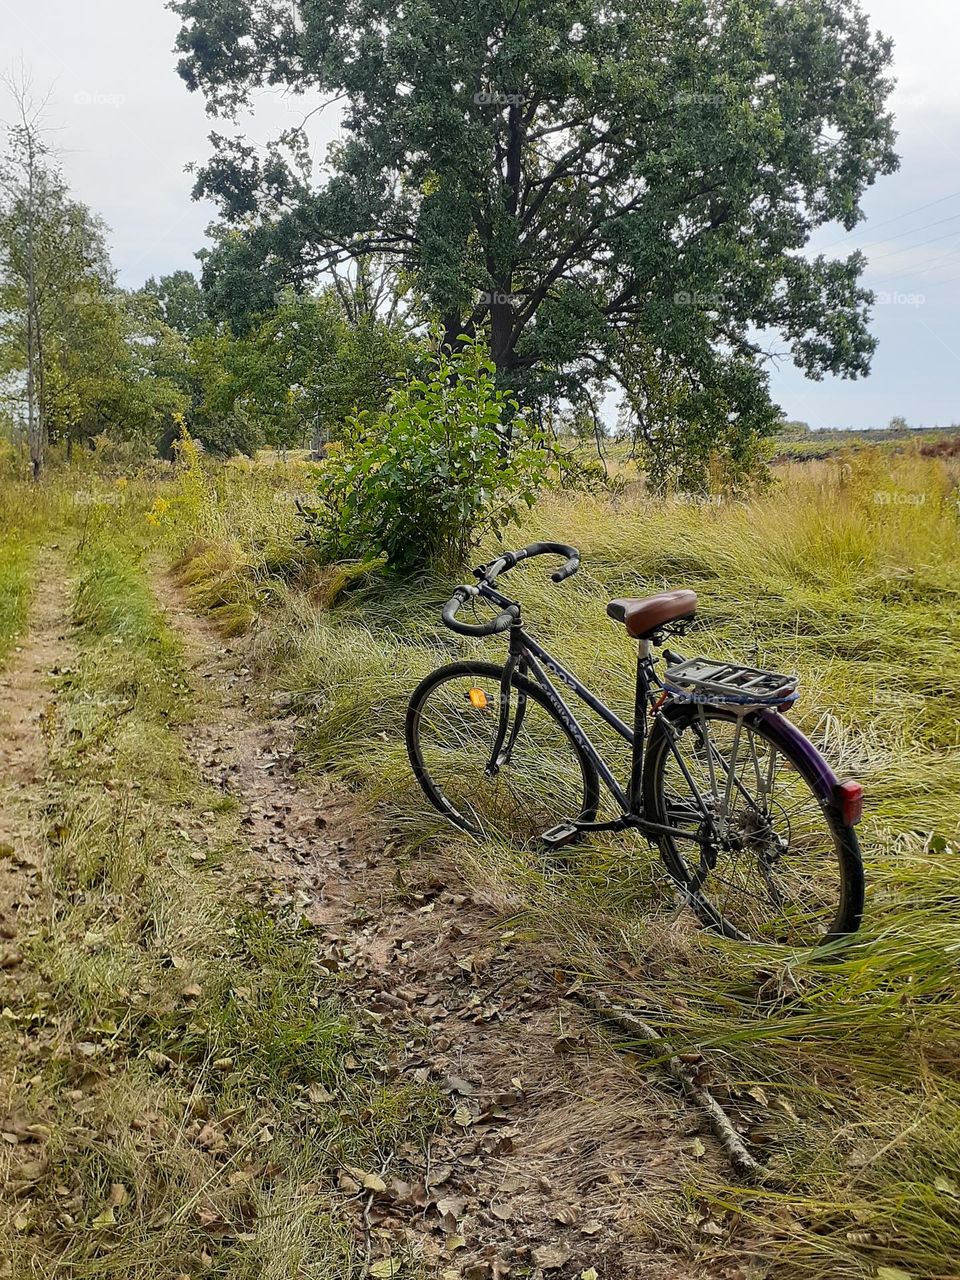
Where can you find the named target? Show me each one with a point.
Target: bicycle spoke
(521, 798)
(770, 868)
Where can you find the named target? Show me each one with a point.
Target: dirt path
(27, 713)
(556, 1157)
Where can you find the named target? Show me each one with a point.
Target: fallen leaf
(551, 1256)
(456, 1084)
(372, 1181)
(697, 1149)
(29, 1171)
(451, 1205)
(385, 1268)
(105, 1219)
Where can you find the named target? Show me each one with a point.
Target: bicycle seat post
(642, 690)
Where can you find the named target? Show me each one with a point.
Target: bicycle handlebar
(489, 573)
(502, 622)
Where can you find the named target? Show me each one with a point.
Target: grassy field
(23, 517)
(166, 1029)
(844, 1073)
(847, 571)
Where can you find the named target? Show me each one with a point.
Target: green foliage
(180, 301)
(292, 376)
(449, 460)
(115, 371)
(78, 357)
(690, 437)
(602, 186)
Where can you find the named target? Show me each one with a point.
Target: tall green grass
(23, 510)
(847, 572)
(171, 1029)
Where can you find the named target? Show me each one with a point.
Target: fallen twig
(700, 1095)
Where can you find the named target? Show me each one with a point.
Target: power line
(886, 223)
(938, 283)
(921, 267)
(914, 232)
(907, 248)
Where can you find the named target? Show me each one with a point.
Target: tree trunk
(35, 418)
(34, 415)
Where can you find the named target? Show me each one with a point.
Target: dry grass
(169, 1023)
(847, 571)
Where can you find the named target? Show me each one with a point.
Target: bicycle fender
(785, 734)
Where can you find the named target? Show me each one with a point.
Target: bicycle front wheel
(541, 777)
(761, 858)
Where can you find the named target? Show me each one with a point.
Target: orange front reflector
(478, 698)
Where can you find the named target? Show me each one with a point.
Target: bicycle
(752, 824)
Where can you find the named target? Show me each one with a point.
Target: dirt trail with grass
(26, 721)
(556, 1156)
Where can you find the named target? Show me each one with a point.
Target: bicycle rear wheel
(773, 864)
(543, 775)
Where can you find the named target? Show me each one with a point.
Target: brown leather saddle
(643, 618)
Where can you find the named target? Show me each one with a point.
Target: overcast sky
(127, 127)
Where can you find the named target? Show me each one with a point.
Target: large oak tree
(620, 191)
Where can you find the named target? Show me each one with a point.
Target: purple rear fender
(788, 737)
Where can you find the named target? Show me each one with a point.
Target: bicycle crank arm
(647, 828)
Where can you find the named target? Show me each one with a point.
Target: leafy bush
(449, 459)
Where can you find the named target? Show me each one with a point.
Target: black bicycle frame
(527, 654)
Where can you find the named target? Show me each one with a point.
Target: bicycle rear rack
(728, 684)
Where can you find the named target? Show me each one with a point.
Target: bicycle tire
(585, 804)
(844, 920)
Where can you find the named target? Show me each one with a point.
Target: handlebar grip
(556, 549)
(502, 622)
(569, 569)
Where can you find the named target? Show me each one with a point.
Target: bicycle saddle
(643, 617)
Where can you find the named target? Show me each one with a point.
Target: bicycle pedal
(563, 833)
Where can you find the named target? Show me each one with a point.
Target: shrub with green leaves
(449, 460)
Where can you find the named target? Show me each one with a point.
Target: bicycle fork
(507, 733)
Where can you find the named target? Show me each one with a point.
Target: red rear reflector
(850, 801)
